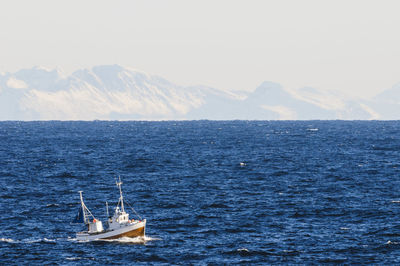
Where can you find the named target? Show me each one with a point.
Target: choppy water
(254, 192)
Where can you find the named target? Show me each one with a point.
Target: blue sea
(213, 192)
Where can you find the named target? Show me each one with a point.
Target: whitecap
(73, 258)
(52, 205)
(8, 240)
(138, 240)
(31, 240)
(37, 240)
(79, 258)
(149, 238)
(131, 240)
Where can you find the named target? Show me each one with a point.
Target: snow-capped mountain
(387, 103)
(114, 92)
(104, 92)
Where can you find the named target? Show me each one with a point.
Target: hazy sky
(351, 46)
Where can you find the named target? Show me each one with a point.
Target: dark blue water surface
(254, 192)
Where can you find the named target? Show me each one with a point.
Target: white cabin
(95, 227)
(119, 219)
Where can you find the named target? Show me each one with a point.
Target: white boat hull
(127, 230)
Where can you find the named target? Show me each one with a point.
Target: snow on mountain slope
(303, 104)
(391, 95)
(387, 103)
(114, 92)
(105, 92)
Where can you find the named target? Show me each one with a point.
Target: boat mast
(121, 198)
(83, 207)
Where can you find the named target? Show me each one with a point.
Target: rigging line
(87, 209)
(133, 210)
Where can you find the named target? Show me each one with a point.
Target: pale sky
(352, 46)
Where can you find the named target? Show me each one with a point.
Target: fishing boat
(118, 225)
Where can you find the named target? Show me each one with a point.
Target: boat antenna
(121, 198)
(108, 215)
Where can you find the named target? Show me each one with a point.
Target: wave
(134, 240)
(392, 243)
(29, 240)
(38, 240)
(8, 240)
(138, 240)
(52, 205)
(79, 258)
(244, 252)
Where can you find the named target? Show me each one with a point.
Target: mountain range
(113, 92)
